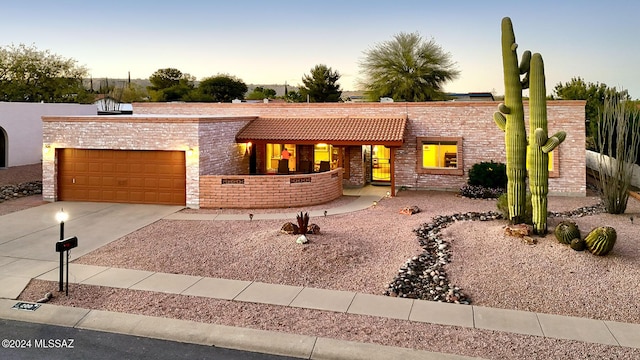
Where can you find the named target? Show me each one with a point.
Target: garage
(122, 176)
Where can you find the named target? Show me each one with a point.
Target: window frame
(434, 140)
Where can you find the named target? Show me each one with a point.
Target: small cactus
(566, 231)
(577, 244)
(600, 240)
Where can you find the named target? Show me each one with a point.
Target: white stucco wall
(593, 159)
(22, 123)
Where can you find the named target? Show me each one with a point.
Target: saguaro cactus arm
(553, 141)
(500, 120)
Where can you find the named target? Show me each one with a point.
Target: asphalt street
(24, 340)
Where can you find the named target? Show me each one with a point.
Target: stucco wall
(22, 123)
(269, 191)
(473, 121)
(594, 159)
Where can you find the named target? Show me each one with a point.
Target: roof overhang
(388, 131)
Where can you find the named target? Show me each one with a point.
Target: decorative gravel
(364, 251)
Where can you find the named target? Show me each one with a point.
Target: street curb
(185, 331)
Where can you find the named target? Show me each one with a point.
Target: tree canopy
(407, 68)
(259, 93)
(321, 85)
(31, 75)
(595, 95)
(170, 84)
(221, 88)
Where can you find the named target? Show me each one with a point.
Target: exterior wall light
(47, 148)
(190, 152)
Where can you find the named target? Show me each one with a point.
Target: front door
(380, 163)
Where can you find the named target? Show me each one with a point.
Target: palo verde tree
(321, 85)
(618, 145)
(407, 68)
(31, 75)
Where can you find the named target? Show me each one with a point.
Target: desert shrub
(503, 206)
(480, 192)
(488, 174)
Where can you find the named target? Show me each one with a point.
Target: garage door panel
(122, 176)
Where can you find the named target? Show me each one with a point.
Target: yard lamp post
(61, 216)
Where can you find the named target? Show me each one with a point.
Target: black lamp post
(61, 216)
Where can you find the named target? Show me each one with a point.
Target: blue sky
(270, 42)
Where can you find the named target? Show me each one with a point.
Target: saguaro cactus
(510, 119)
(539, 145)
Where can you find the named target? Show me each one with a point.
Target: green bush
(503, 207)
(488, 174)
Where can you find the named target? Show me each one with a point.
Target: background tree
(594, 94)
(221, 88)
(170, 84)
(407, 68)
(260, 93)
(134, 93)
(321, 85)
(619, 138)
(32, 75)
(293, 96)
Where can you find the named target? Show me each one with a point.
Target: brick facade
(472, 121)
(206, 131)
(208, 141)
(270, 191)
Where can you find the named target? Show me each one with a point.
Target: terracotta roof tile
(339, 130)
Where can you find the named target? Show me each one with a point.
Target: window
(274, 155)
(440, 155)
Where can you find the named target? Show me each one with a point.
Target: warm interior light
(62, 216)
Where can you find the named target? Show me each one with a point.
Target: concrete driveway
(28, 237)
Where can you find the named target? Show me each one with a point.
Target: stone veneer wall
(269, 191)
(473, 121)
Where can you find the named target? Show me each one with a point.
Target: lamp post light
(61, 217)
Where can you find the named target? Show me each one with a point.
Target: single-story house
(21, 129)
(232, 155)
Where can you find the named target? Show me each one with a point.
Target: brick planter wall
(269, 191)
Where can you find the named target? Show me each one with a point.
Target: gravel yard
(363, 251)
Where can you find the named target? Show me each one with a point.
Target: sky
(278, 41)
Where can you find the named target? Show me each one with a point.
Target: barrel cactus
(601, 240)
(577, 244)
(566, 231)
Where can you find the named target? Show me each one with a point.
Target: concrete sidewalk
(27, 248)
(470, 316)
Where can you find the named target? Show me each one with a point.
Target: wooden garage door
(124, 176)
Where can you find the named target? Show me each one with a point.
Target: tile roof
(333, 130)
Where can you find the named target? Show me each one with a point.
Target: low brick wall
(269, 191)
